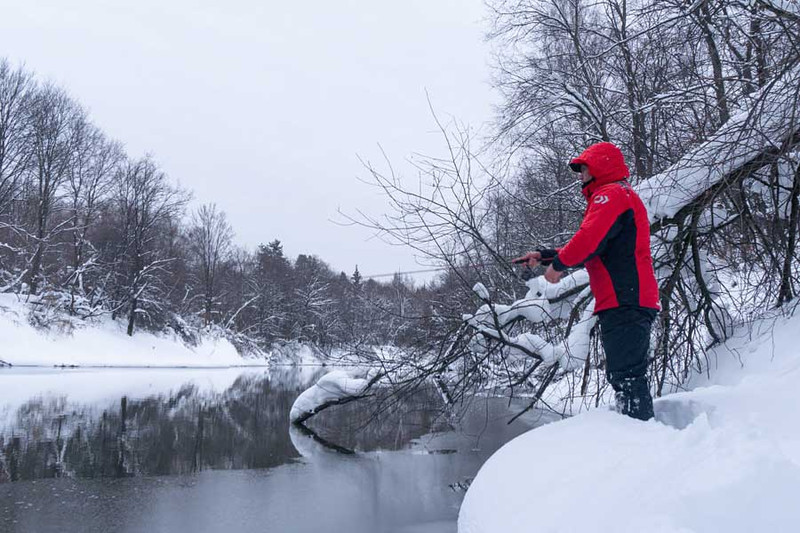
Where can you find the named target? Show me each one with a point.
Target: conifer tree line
(89, 230)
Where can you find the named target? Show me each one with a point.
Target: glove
(531, 259)
(537, 257)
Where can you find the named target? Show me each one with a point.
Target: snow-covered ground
(102, 342)
(724, 456)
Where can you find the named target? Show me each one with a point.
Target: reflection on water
(186, 430)
(176, 431)
(109, 455)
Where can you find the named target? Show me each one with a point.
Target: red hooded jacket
(613, 241)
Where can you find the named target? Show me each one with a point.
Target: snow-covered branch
(491, 320)
(748, 141)
(334, 388)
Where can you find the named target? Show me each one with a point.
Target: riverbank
(103, 342)
(724, 456)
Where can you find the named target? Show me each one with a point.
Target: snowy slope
(724, 456)
(101, 343)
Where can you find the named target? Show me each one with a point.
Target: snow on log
(332, 388)
(570, 354)
(745, 142)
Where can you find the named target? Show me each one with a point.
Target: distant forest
(87, 229)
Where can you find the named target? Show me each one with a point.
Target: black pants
(625, 333)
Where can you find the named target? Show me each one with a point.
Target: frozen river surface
(211, 450)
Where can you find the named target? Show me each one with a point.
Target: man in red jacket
(613, 244)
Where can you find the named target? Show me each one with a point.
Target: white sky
(263, 106)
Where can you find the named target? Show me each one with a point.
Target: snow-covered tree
(702, 97)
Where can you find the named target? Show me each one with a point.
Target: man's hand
(532, 259)
(552, 275)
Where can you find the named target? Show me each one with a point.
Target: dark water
(156, 450)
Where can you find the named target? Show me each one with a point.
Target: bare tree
(716, 165)
(16, 87)
(210, 238)
(95, 161)
(146, 201)
(53, 116)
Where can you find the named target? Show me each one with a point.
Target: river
(152, 450)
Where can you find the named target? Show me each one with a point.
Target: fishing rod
(443, 269)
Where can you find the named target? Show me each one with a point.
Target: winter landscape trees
(87, 230)
(703, 97)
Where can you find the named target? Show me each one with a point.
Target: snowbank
(101, 343)
(723, 457)
(296, 354)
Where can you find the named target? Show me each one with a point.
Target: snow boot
(632, 396)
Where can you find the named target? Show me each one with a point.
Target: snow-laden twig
(536, 308)
(232, 319)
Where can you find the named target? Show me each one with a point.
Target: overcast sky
(264, 106)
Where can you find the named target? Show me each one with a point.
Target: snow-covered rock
(722, 457)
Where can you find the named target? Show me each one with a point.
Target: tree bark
(705, 21)
(786, 291)
(132, 317)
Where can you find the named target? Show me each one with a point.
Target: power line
(425, 271)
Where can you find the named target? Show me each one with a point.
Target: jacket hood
(606, 165)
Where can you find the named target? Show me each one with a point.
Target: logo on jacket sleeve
(600, 199)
